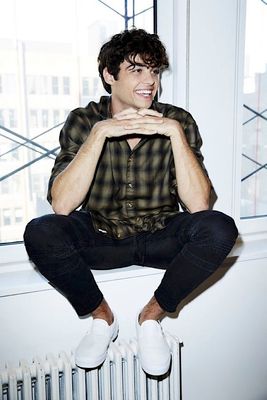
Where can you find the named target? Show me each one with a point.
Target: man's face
(136, 86)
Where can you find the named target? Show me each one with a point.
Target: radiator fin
(119, 378)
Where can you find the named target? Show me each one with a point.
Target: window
(52, 62)
(12, 119)
(95, 86)
(45, 118)
(55, 88)
(254, 146)
(18, 215)
(43, 84)
(66, 85)
(55, 117)
(32, 84)
(85, 87)
(33, 119)
(9, 83)
(6, 216)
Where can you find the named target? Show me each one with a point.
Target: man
(129, 161)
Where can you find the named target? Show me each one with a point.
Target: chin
(144, 103)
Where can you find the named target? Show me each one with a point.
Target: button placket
(129, 184)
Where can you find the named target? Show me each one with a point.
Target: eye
(156, 71)
(138, 70)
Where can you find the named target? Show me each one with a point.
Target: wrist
(176, 132)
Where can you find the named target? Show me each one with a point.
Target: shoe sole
(157, 372)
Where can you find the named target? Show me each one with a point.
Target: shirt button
(130, 185)
(130, 204)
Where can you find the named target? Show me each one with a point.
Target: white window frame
(182, 35)
(179, 89)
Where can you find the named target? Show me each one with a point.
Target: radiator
(119, 378)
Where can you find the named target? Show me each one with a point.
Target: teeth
(144, 92)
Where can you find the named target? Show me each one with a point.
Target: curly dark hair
(126, 46)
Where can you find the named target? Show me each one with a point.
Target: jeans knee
(218, 232)
(45, 236)
(223, 227)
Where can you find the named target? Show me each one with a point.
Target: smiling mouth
(144, 92)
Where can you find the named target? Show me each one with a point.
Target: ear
(109, 79)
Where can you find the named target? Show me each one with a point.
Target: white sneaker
(92, 350)
(154, 352)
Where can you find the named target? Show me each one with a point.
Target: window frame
(176, 36)
(252, 232)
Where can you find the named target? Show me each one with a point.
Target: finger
(144, 127)
(128, 111)
(129, 116)
(147, 111)
(140, 131)
(144, 122)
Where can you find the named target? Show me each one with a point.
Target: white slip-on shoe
(92, 350)
(154, 352)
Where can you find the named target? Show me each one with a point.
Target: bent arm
(81, 148)
(192, 183)
(71, 186)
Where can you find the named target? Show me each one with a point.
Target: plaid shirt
(132, 190)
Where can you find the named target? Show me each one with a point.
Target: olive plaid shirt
(132, 190)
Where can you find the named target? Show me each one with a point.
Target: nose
(149, 77)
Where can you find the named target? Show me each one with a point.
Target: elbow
(202, 203)
(60, 208)
(203, 206)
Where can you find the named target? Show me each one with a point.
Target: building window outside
(95, 86)
(85, 86)
(55, 85)
(66, 85)
(12, 118)
(18, 213)
(5, 187)
(51, 62)
(6, 216)
(56, 117)
(32, 85)
(43, 85)
(254, 147)
(45, 118)
(9, 83)
(33, 119)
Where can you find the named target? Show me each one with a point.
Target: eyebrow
(133, 65)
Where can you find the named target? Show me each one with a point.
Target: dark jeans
(190, 248)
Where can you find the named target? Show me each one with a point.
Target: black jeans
(190, 248)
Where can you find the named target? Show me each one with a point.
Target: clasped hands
(139, 121)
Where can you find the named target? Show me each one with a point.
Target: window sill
(29, 280)
(20, 277)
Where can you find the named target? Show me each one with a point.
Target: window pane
(254, 149)
(48, 67)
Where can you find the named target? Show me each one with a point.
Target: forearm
(192, 184)
(72, 185)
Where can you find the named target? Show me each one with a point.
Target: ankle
(152, 311)
(103, 311)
